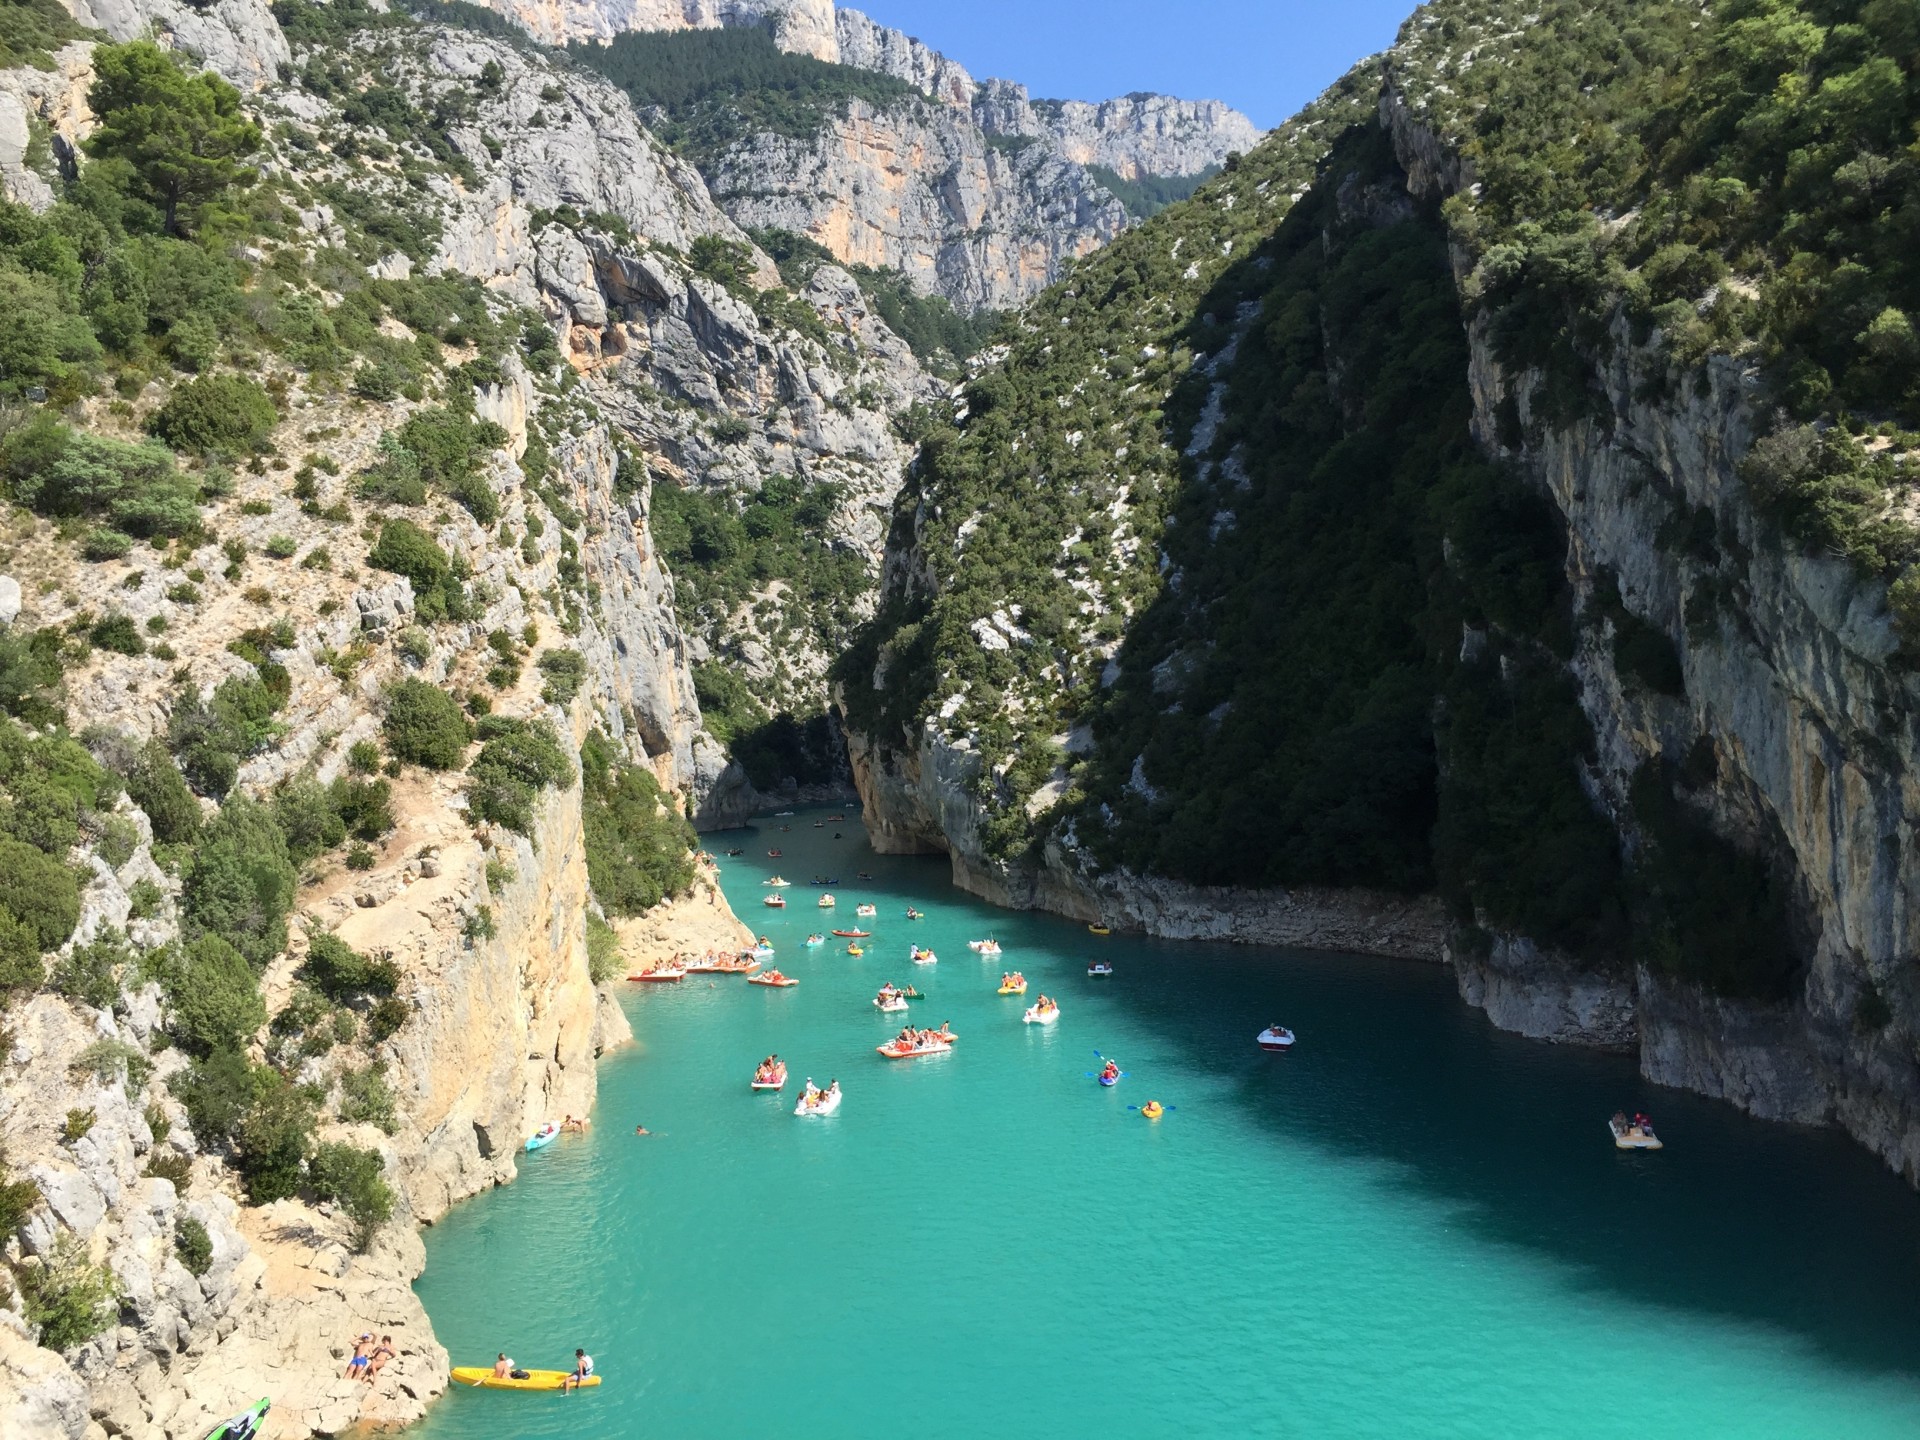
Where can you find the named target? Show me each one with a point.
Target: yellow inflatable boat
(482, 1375)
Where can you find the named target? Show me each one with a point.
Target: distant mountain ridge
(943, 192)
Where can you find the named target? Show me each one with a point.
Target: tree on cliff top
(182, 135)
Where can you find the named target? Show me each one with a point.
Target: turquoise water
(1412, 1226)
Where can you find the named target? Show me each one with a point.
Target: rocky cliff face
(503, 1022)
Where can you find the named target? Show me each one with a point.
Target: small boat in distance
(913, 914)
(853, 934)
(774, 854)
(986, 948)
(1014, 984)
(1153, 1110)
(826, 902)
(1098, 930)
(923, 1043)
(923, 957)
(1634, 1134)
(776, 882)
(816, 939)
(543, 1136)
(1042, 1012)
(855, 950)
(865, 910)
(889, 1002)
(1099, 967)
(1276, 1038)
(770, 1077)
(775, 901)
(773, 978)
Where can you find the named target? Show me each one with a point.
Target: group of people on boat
(813, 1097)
(1639, 1128)
(912, 1039)
(769, 1071)
(1109, 1073)
(1012, 981)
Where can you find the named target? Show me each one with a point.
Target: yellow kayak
(483, 1376)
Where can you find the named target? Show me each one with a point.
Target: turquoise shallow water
(1412, 1226)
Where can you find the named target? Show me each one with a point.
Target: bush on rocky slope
(639, 847)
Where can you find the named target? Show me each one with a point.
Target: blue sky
(1267, 57)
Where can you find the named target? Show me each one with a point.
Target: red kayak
(853, 934)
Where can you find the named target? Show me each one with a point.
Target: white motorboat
(1276, 1038)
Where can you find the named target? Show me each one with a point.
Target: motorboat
(1099, 967)
(1276, 1038)
(1634, 1134)
(774, 1079)
(814, 1101)
(1041, 1014)
(776, 900)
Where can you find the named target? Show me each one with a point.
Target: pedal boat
(1628, 1136)
(1036, 1016)
(774, 1081)
(1099, 967)
(822, 1102)
(773, 978)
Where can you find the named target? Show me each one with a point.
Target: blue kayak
(543, 1136)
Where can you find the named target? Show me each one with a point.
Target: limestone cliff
(977, 193)
(662, 376)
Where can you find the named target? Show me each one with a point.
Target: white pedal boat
(889, 1004)
(824, 1102)
(1036, 1016)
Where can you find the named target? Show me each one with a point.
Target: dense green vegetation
(31, 30)
(639, 847)
(1150, 194)
(517, 760)
(1741, 182)
(714, 87)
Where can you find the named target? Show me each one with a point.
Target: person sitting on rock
(379, 1356)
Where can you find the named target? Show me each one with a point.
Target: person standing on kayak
(582, 1368)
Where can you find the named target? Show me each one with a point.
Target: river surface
(1411, 1226)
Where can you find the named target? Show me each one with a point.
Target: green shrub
(119, 634)
(104, 543)
(363, 758)
(90, 974)
(340, 972)
(68, 1299)
(424, 726)
(154, 784)
(307, 816)
(216, 1091)
(639, 849)
(365, 807)
(275, 1137)
(353, 1178)
(518, 759)
(109, 1060)
(79, 1122)
(240, 882)
(386, 1017)
(564, 671)
(39, 892)
(193, 1245)
(603, 950)
(210, 739)
(479, 924)
(171, 1166)
(403, 548)
(17, 1199)
(135, 489)
(213, 997)
(366, 1098)
(216, 414)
